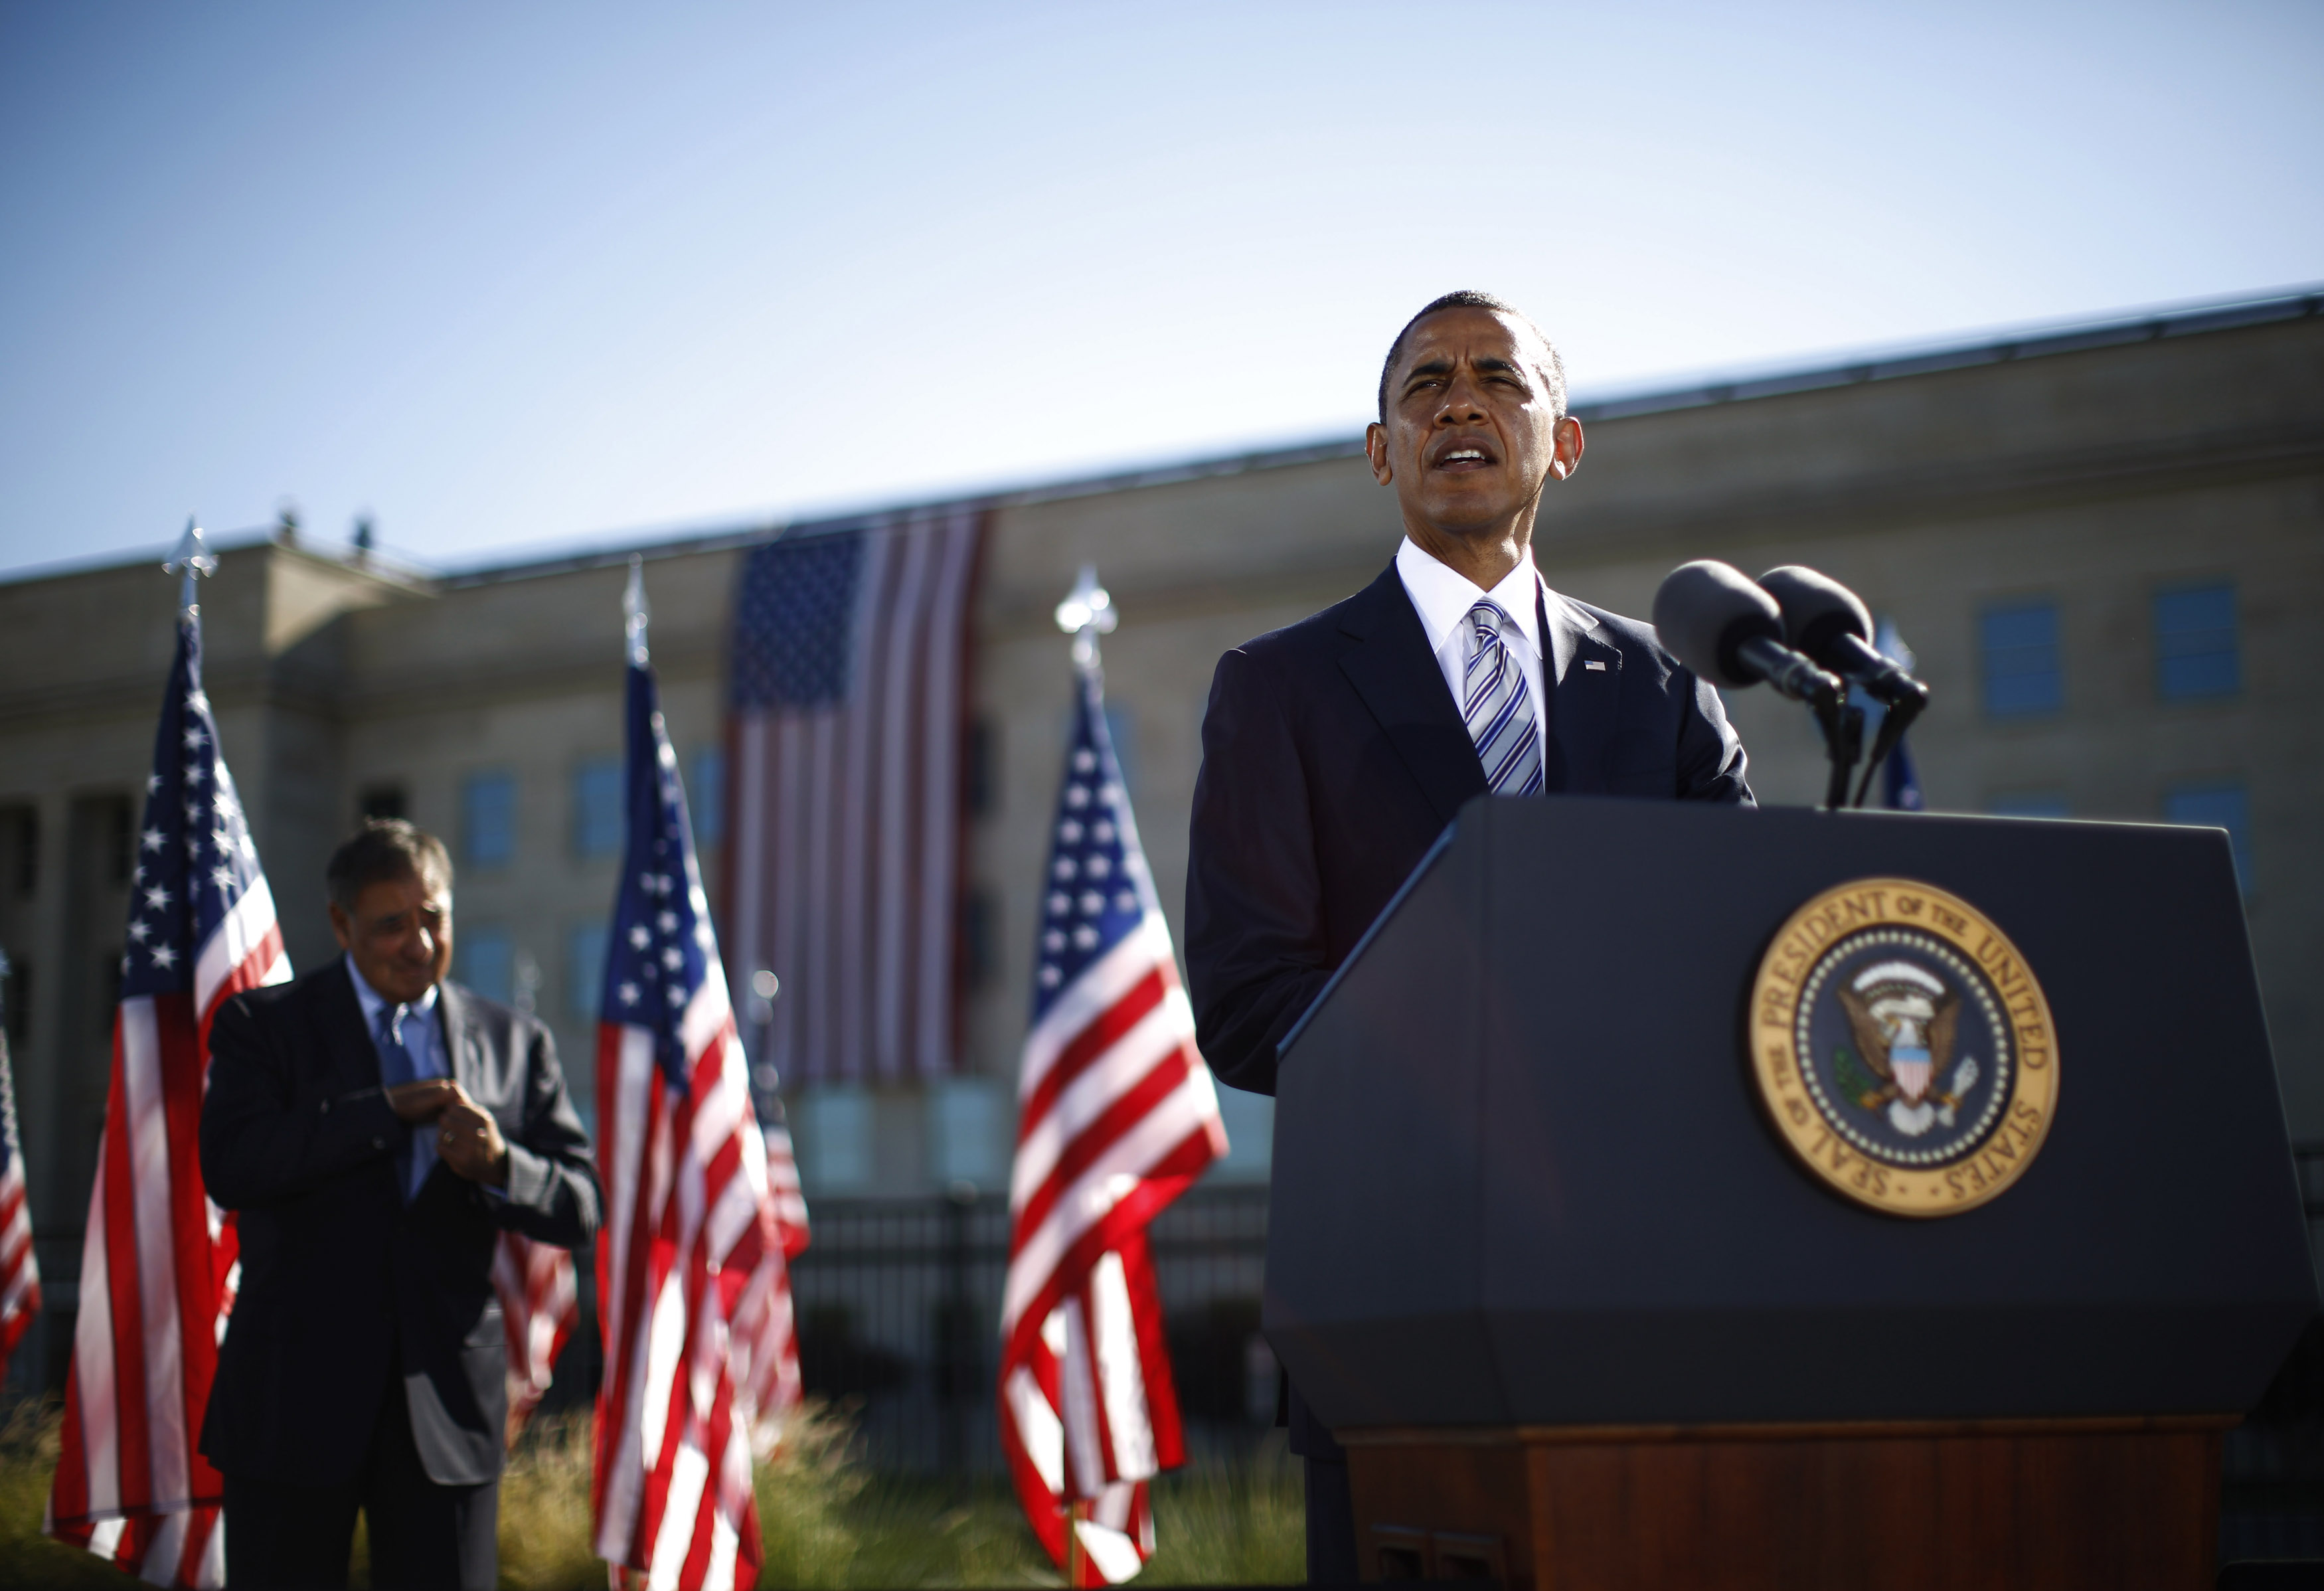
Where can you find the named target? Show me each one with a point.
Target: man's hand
(469, 1140)
(424, 1100)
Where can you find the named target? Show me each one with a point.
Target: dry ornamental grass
(825, 1521)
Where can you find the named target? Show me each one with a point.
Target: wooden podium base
(2117, 1504)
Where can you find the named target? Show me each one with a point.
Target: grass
(825, 1521)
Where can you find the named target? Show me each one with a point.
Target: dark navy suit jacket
(1334, 756)
(343, 1283)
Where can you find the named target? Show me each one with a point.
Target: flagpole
(635, 611)
(193, 560)
(1087, 613)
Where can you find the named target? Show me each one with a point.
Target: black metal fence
(900, 1301)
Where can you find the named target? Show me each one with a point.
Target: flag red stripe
(134, 1466)
(1128, 1109)
(184, 1061)
(1108, 1029)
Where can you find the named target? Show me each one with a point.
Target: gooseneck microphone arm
(1789, 673)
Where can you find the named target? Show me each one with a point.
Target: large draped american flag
(158, 1268)
(702, 1215)
(1116, 1117)
(849, 679)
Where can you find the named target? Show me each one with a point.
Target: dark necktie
(418, 1156)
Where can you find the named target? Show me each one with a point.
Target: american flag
(158, 1274)
(694, 1291)
(539, 1307)
(1116, 1117)
(20, 1276)
(849, 675)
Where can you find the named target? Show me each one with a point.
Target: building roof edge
(2034, 342)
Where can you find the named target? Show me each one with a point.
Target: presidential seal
(1903, 1048)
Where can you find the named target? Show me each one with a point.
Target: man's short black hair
(1553, 371)
(386, 848)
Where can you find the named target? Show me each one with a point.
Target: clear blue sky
(510, 276)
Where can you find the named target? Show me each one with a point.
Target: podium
(1552, 1251)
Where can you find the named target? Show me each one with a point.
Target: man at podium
(1336, 750)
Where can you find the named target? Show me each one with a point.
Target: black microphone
(1830, 622)
(1711, 617)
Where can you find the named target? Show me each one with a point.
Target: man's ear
(1567, 457)
(1375, 450)
(342, 928)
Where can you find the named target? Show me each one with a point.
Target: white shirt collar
(373, 1002)
(1443, 598)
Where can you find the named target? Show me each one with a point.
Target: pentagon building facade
(2106, 548)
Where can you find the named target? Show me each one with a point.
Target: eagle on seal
(1905, 1020)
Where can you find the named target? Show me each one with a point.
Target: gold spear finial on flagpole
(193, 560)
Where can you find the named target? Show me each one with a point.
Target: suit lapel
(459, 1051)
(1395, 674)
(348, 1038)
(1588, 689)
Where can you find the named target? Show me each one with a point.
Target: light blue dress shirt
(423, 1041)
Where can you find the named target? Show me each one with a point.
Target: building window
(585, 970)
(20, 831)
(383, 800)
(979, 938)
(121, 854)
(705, 795)
(982, 771)
(2028, 803)
(832, 1129)
(598, 808)
(966, 1132)
(2220, 804)
(484, 960)
(2195, 649)
(2022, 676)
(488, 820)
(1249, 1121)
(16, 996)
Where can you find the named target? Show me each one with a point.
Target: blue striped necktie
(1499, 708)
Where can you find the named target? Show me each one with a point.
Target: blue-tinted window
(2222, 805)
(585, 970)
(705, 795)
(488, 820)
(598, 799)
(2028, 803)
(2022, 674)
(485, 958)
(1249, 1121)
(2195, 649)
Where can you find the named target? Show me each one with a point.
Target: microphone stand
(1843, 741)
(1893, 723)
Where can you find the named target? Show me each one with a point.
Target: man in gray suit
(375, 1128)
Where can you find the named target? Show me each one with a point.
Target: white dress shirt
(1443, 599)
